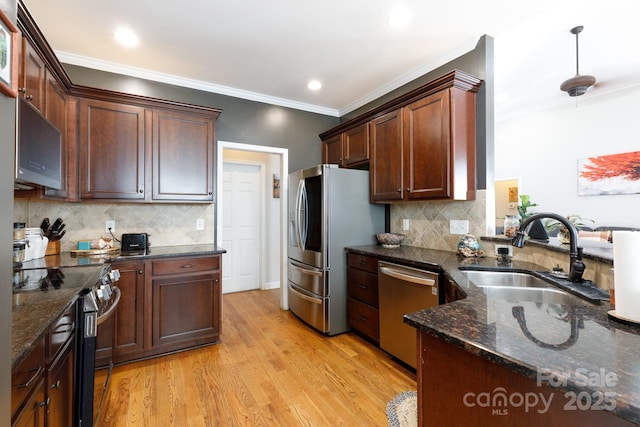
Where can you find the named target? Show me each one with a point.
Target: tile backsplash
(167, 224)
(429, 221)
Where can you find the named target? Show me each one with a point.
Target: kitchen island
(486, 360)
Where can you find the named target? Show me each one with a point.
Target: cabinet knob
(29, 97)
(22, 90)
(408, 190)
(45, 402)
(399, 190)
(140, 190)
(211, 193)
(140, 272)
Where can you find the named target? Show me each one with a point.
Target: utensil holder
(53, 248)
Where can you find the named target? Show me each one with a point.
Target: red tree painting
(611, 174)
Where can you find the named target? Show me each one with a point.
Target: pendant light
(577, 85)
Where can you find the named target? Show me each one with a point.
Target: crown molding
(84, 61)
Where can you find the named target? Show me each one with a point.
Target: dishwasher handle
(401, 275)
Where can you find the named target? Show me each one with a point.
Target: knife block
(53, 248)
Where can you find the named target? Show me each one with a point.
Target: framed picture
(8, 56)
(609, 174)
(276, 186)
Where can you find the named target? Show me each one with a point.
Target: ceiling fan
(577, 85)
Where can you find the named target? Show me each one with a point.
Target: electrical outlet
(509, 249)
(458, 226)
(200, 224)
(110, 226)
(405, 224)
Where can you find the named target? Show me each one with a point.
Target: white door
(241, 227)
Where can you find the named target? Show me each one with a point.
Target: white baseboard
(271, 285)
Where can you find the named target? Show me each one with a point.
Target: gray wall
(7, 144)
(241, 121)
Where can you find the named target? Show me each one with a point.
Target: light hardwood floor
(269, 370)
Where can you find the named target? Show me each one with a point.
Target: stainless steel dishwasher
(403, 290)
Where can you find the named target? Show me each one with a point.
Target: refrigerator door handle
(298, 215)
(305, 270)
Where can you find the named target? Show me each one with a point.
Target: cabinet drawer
(363, 286)
(184, 265)
(363, 318)
(363, 262)
(27, 375)
(61, 331)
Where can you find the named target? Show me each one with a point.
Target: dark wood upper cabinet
(386, 157)
(356, 145)
(118, 146)
(183, 156)
(112, 149)
(332, 150)
(32, 80)
(422, 143)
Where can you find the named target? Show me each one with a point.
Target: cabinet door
(112, 150)
(186, 307)
(61, 388)
(55, 111)
(183, 156)
(33, 76)
(386, 157)
(356, 143)
(426, 140)
(128, 326)
(332, 150)
(34, 412)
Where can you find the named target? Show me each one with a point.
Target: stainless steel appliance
(329, 209)
(402, 290)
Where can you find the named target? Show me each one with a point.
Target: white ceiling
(268, 50)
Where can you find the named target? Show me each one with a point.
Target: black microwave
(38, 148)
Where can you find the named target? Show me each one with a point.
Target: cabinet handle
(363, 318)
(56, 385)
(45, 402)
(363, 286)
(35, 376)
(408, 190)
(187, 266)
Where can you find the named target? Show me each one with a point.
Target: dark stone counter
(573, 346)
(34, 311)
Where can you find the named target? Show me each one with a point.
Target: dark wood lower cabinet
(60, 388)
(450, 380)
(167, 305)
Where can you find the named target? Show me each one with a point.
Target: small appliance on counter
(134, 243)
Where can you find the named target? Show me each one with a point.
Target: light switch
(458, 226)
(200, 224)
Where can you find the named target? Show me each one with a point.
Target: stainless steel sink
(482, 278)
(512, 286)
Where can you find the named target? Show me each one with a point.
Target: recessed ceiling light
(314, 85)
(399, 18)
(126, 37)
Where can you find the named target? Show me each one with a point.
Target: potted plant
(552, 225)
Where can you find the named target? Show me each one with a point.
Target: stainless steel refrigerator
(329, 210)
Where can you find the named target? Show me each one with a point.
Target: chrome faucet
(576, 266)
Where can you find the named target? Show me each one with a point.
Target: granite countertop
(34, 311)
(563, 343)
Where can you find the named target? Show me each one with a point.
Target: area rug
(402, 410)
